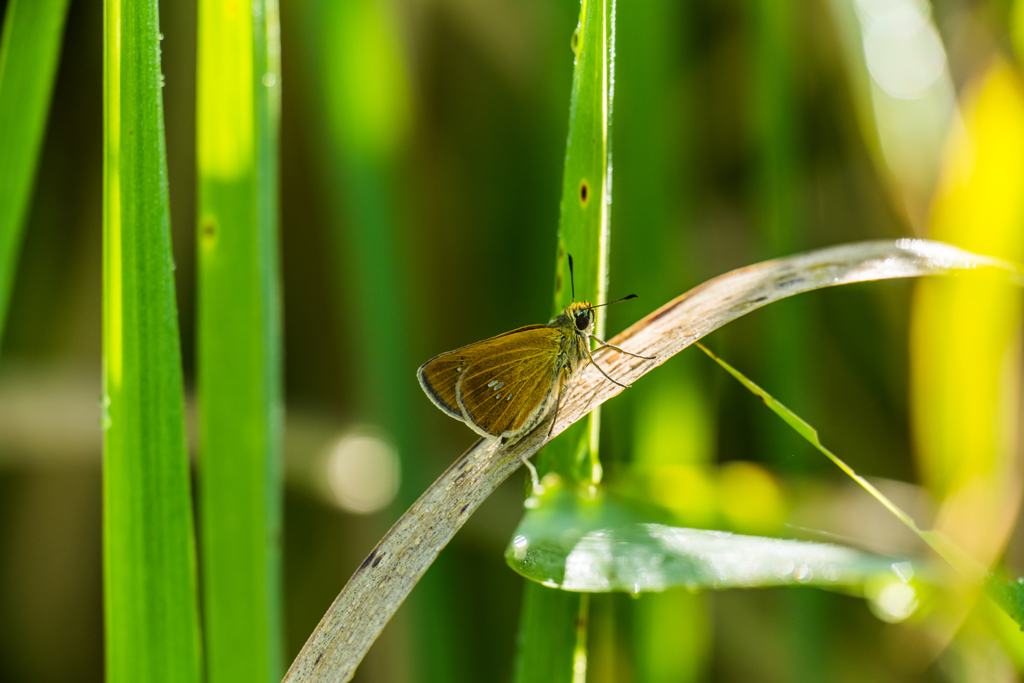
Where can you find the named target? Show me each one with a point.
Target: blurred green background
(422, 146)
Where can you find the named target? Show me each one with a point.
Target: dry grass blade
(386, 577)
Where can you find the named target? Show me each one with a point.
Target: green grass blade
(783, 349)
(152, 626)
(546, 644)
(1017, 29)
(964, 393)
(558, 656)
(239, 339)
(1009, 596)
(550, 647)
(584, 223)
(938, 542)
(774, 125)
(671, 420)
(783, 338)
(29, 50)
(367, 99)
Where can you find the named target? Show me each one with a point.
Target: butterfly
(503, 387)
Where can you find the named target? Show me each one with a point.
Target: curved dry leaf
(374, 592)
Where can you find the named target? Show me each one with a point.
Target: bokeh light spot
(363, 471)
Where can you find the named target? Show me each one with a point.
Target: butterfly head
(582, 316)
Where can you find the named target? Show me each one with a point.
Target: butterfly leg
(558, 402)
(601, 370)
(537, 488)
(606, 345)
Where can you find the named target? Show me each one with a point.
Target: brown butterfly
(503, 387)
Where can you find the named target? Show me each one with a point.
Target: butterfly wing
(501, 386)
(438, 377)
(511, 386)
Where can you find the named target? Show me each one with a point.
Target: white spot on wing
(492, 382)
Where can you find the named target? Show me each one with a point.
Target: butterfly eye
(582, 320)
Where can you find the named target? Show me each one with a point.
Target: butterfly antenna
(572, 284)
(609, 303)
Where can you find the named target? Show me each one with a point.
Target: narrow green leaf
(964, 398)
(546, 644)
(367, 105)
(29, 51)
(1009, 595)
(152, 626)
(783, 339)
(557, 657)
(584, 223)
(239, 339)
(366, 100)
(774, 124)
(1017, 29)
(669, 422)
(937, 541)
(549, 647)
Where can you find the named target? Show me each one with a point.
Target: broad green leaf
(239, 339)
(29, 51)
(564, 541)
(152, 624)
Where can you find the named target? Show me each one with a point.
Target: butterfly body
(503, 387)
